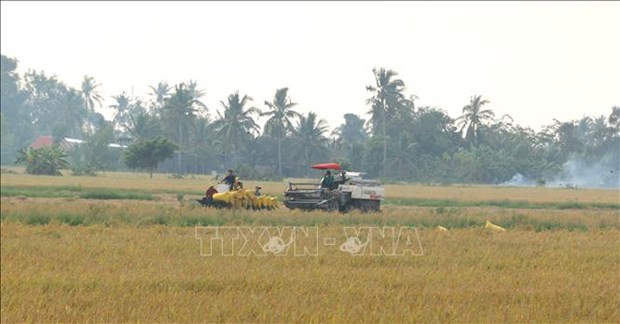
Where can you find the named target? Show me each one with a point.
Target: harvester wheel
(333, 205)
(345, 208)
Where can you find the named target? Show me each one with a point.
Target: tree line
(398, 141)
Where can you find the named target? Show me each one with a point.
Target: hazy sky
(534, 61)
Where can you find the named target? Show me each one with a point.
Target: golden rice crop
(170, 212)
(198, 183)
(77, 260)
(156, 273)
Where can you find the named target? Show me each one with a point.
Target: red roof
(42, 141)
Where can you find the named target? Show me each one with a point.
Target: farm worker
(328, 180)
(257, 191)
(229, 179)
(342, 179)
(208, 198)
(209, 194)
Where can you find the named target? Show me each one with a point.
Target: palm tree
(180, 111)
(309, 139)
(90, 95)
(202, 142)
(387, 95)
(122, 108)
(143, 126)
(161, 92)
(474, 117)
(202, 132)
(74, 113)
(194, 92)
(236, 126)
(279, 124)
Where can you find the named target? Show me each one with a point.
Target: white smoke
(577, 174)
(518, 180)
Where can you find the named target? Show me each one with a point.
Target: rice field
(72, 257)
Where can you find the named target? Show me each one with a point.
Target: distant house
(42, 141)
(66, 143)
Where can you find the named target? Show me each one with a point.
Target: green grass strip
(74, 192)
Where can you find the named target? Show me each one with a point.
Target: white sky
(534, 61)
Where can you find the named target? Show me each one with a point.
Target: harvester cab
(349, 191)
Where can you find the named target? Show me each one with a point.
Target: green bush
(70, 219)
(37, 219)
(45, 160)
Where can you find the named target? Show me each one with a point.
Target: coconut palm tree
(73, 112)
(161, 92)
(236, 126)
(90, 95)
(203, 129)
(387, 95)
(180, 111)
(196, 93)
(309, 140)
(143, 126)
(122, 109)
(203, 143)
(474, 117)
(280, 116)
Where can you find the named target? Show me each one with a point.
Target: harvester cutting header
(231, 194)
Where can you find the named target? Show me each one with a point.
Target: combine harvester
(349, 192)
(242, 198)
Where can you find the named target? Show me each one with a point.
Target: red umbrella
(327, 166)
